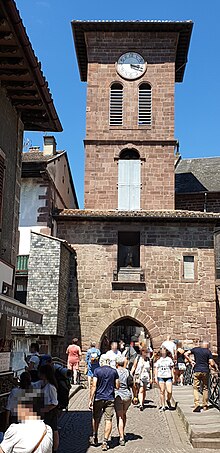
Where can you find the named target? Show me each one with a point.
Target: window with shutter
(116, 105)
(188, 268)
(2, 174)
(144, 104)
(129, 180)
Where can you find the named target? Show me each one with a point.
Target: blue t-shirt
(106, 377)
(92, 358)
(202, 357)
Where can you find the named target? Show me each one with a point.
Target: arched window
(129, 180)
(144, 104)
(116, 105)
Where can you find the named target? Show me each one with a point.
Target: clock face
(131, 65)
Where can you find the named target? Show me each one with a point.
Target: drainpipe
(205, 202)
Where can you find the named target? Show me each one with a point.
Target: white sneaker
(162, 409)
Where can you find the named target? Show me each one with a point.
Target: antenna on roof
(26, 145)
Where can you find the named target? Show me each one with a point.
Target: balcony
(22, 265)
(129, 278)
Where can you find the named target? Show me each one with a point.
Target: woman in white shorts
(164, 376)
(141, 373)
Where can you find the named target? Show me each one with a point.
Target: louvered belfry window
(144, 104)
(116, 105)
(2, 174)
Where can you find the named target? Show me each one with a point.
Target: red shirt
(73, 352)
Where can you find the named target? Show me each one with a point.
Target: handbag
(182, 366)
(130, 380)
(41, 439)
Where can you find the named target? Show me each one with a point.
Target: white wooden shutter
(129, 184)
(188, 268)
(135, 184)
(123, 184)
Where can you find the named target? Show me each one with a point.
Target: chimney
(34, 149)
(49, 145)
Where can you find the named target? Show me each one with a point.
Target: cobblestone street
(149, 431)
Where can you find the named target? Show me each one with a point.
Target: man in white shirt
(170, 345)
(113, 354)
(31, 435)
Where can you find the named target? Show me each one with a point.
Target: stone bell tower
(131, 69)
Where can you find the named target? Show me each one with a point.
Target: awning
(11, 307)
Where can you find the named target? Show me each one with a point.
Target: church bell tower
(130, 69)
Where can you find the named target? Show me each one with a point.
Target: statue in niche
(129, 257)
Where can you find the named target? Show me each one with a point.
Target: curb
(75, 390)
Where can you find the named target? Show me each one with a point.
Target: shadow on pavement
(129, 437)
(74, 431)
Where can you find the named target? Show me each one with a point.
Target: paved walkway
(147, 432)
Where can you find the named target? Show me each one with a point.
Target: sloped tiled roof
(144, 215)
(21, 75)
(38, 156)
(198, 175)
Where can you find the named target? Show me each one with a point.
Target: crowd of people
(34, 405)
(123, 374)
(116, 379)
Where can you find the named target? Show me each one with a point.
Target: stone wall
(198, 201)
(48, 278)
(103, 50)
(157, 176)
(11, 141)
(168, 305)
(104, 143)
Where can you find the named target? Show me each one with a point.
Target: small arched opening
(126, 329)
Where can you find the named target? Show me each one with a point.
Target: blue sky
(48, 24)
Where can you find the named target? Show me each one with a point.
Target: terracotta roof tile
(38, 156)
(136, 215)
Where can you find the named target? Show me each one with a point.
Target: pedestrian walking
(170, 345)
(33, 362)
(141, 373)
(105, 381)
(74, 356)
(180, 365)
(123, 397)
(31, 434)
(203, 360)
(48, 386)
(113, 354)
(164, 376)
(15, 395)
(92, 361)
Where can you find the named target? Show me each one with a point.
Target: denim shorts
(165, 379)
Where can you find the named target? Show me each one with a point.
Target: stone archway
(133, 313)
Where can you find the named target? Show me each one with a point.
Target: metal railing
(214, 385)
(18, 323)
(214, 389)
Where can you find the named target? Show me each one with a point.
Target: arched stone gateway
(133, 313)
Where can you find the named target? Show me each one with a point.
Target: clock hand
(136, 66)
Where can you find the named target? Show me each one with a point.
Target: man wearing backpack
(92, 362)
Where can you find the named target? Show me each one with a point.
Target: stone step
(202, 428)
(211, 444)
(208, 432)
